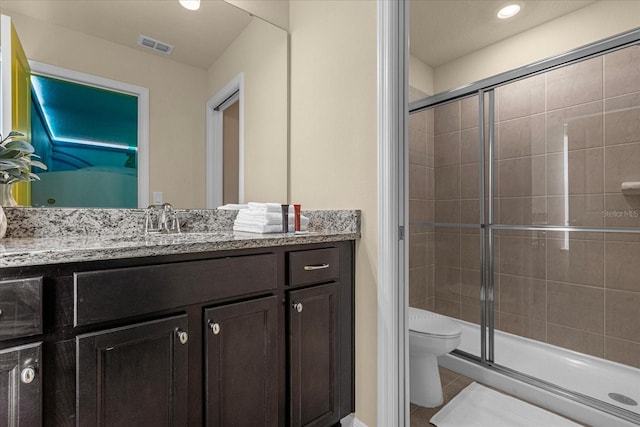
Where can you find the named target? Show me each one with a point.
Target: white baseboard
(351, 421)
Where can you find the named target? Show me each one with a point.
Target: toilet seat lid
(426, 322)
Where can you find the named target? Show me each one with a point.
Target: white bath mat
(479, 406)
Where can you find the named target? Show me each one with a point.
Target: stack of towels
(265, 218)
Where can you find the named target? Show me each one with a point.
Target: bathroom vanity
(203, 329)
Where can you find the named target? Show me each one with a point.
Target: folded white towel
(262, 229)
(269, 207)
(304, 222)
(260, 216)
(232, 207)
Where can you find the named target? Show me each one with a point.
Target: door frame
(214, 142)
(142, 93)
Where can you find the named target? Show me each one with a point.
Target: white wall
(274, 11)
(333, 145)
(587, 25)
(265, 106)
(176, 98)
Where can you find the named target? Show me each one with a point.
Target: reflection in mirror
(456, 43)
(211, 47)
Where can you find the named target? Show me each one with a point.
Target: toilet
(430, 335)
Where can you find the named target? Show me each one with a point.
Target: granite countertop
(55, 247)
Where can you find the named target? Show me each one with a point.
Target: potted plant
(16, 158)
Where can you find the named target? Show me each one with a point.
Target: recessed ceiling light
(508, 11)
(190, 4)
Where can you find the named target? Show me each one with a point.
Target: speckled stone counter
(39, 236)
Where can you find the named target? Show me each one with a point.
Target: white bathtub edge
(553, 402)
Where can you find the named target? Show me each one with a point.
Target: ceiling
(199, 37)
(444, 30)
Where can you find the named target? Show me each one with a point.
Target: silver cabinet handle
(315, 267)
(27, 375)
(182, 336)
(215, 327)
(297, 307)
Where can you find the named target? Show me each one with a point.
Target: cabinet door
(313, 356)
(134, 376)
(20, 386)
(242, 364)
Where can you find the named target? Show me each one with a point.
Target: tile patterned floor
(452, 384)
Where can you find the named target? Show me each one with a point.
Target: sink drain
(621, 398)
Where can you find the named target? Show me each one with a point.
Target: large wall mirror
(454, 43)
(219, 54)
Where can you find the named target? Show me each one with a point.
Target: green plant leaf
(19, 145)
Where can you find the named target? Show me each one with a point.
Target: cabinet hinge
(401, 232)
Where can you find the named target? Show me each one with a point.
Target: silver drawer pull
(315, 267)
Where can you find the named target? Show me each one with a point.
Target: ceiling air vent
(154, 44)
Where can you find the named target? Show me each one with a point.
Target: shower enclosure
(524, 213)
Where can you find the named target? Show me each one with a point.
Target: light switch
(157, 198)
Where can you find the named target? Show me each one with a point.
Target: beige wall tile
(621, 351)
(447, 307)
(431, 292)
(522, 98)
(469, 146)
(621, 211)
(417, 250)
(622, 266)
(584, 127)
(470, 287)
(470, 181)
(446, 118)
(523, 296)
(420, 212)
(622, 119)
(418, 122)
(622, 71)
(522, 137)
(521, 177)
(447, 149)
(447, 283)
(417, 148)
(584, 210)
(447, 249)
(447, 183)
(582, 262)
(575, 84)
(585, 172)
(417, 182)
(469, 112)
(520, 325)
(418, 287)
(622, 315)
(575, 339)
(471, 313)
(522, 211)
(469, 212)
(522, 256)
(622, 163)
(469, 250)
(576, 306)
(447, 211)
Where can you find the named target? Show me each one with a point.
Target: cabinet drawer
(20, 307)
(119, 293)
(313, 266)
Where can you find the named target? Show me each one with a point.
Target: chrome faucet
(161, 219)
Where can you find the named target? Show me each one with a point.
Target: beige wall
(333, 146)
(274, 11)
(586, 25)
(176, 98)
(265, 106)
(420, 75)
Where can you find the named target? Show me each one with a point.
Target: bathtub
(571, 370)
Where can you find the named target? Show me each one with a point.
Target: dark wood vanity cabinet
(252, 337)
(134, 376)
(241, 364)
